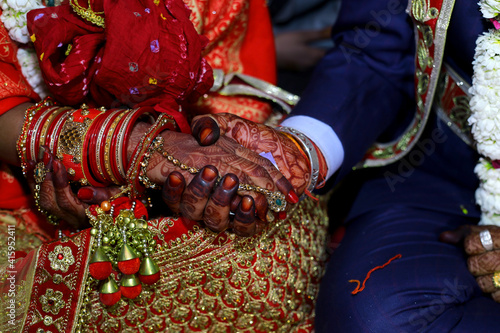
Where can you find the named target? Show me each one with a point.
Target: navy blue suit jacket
(364, 89)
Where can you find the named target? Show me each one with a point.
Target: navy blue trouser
(403, 209)
(428, 289)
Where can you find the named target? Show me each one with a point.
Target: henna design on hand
(244, 220)
(226, 156)
(485, 263)
(261, 138)
(196, 194)
(56, 196)
(472, 242)
(496, 296)
(216, 215)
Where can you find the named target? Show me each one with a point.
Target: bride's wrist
(135, 136)
(144, 148)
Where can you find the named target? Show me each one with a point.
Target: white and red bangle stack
(317, 164)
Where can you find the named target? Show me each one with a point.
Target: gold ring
(496, 279)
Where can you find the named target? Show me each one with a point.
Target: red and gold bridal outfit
(209, 282)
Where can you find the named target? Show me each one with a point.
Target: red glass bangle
(91, 160)
(114, 152)
(25, 146)
(47, 123)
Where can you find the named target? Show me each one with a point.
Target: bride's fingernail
(246, 204)
(85, 193)
(206, 133)
(46, 156)
(174, 180)
(292, 197)
(282, 215)
(208, 174)
(229, 182)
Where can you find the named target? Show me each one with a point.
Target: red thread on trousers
(358, 289)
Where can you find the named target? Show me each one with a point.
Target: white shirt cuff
(323, 136)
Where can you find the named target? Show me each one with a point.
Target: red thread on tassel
(358, 289)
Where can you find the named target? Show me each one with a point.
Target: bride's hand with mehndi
(212, 191)
(48, 180)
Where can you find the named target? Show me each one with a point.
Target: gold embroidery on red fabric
(60, 267)
(7, 50)
(12, 88)
(61, 258)
(220, 282)
(52, 301)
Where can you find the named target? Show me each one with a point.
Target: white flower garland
(14, 19)
(31, 70)
(485, 119)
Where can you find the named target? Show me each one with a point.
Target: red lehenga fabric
(209, 282)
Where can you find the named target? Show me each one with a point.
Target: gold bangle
(72, 142)
(163, 122)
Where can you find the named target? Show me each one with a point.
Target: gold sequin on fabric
(223, 283)
(52, 301)
(61, 258)
(422, 10)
